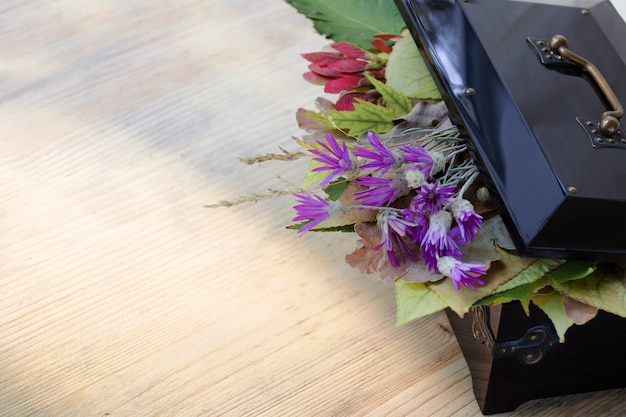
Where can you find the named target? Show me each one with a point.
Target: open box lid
(532, 115)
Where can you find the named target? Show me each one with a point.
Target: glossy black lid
(562, 192)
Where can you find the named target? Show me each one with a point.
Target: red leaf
(388, 36)
(349, 65)
(350, 50)
(346, 101)
(315, 78)
(322, 58)
(381, 45)
(325, 71)
(345, 83)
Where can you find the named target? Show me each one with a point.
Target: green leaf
(313, 178)
(407, 72)
(552, 305)
(396, 100)
(366, 117)
(521, 292)
(509, 267)
(336, 189)
(354, 21)
(414, 300)
(572, 270)
(370, 117)
(344, 229)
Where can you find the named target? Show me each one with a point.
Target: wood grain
(122, 295)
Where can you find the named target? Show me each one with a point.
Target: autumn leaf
(509, 267)
(415, 300)
(579, 313)
(605, 289)
(366, 117)
(370, 117)
(365, 258)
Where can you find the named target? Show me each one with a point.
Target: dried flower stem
(251, 198)
(285, 156)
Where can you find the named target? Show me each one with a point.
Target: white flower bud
(445, 264)
(459, 206)
(439, 162)
(483, 194)
(414, 178)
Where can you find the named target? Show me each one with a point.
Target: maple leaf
(370, 117)
(366, 117)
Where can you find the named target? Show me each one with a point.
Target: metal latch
(528, 349)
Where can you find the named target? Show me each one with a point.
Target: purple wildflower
(431, 197)
(334, 157)
(467, 219)
(419, 221)
(418, 157)
(381, 191)
(382, 157)
(461, 273)
(393, 228)
(315, 210)
(437, 237)
(431, 254)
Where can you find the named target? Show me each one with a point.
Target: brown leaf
(580, 313)
(365, 258)
(419, 272)
(369, 260)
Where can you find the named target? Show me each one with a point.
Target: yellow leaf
(500, 272)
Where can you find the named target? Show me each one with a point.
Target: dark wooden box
(514, 358)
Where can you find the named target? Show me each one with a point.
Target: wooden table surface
(123, 295)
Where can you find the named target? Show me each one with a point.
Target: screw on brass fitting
(572, 190)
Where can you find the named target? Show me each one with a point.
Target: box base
(504, 377)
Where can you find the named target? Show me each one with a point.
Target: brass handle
(609, 121)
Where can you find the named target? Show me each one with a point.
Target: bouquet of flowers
(387, 164)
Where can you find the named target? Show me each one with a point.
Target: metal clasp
(528, 349)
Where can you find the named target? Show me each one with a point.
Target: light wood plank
(122, 295)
